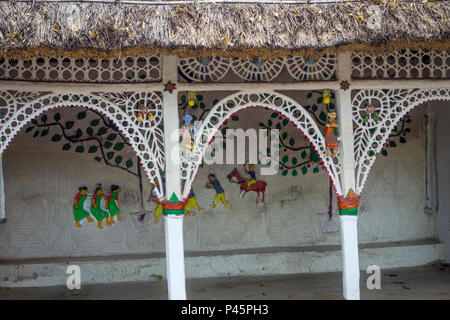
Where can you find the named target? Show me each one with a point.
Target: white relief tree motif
(225, 108)
(19, 108)
(371, 133)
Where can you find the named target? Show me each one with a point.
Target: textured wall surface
(443, 172)
(41, 182)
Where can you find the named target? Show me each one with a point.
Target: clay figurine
(192, 202)
(113, 204)
(220, 193)
(96, 209)
(330, 136)
(79, 213)
(188, 135)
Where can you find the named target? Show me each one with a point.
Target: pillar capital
(348, 206)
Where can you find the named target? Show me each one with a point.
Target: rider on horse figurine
(251, 172)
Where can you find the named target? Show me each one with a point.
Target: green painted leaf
(119, 146)
(44, 132)
(319, 100)
(118, 159)
(331, 106)
(36, 133)
(92, 149)
(235, 118)
(44, 118)
(81, 115)
(291, 141)
(294, 173)
(278, 126)
(90, 131)
(323, 116)
(199, 97)
(111, 136)
(314, 108)
(402, 140)
(98, 159)
(274, 115)
(294, 161)
(57, 117)
(285, 172)
(66, 146)
(269, 123)
(384, 152)
(95, 122)
(69, 124)
(56, 137)
(102, 131)
(107, 144)
(78, 133)
(129, 163)
(309, 95)
(285, 158)
(284, 135)
(304, 169)
(315, 170)
(303, 154)
(109, 155)
(202, 105)
(29, 129)
(392, 144)
(79, 149)
(285, 122)
(34, 121)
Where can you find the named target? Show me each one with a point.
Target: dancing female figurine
(96, 209)
(79, 213)
(330, 136)
(113, 204)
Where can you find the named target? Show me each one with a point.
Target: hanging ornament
(139, 117)
(191, 98)
(326, 96)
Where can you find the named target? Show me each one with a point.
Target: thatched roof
(112, 29)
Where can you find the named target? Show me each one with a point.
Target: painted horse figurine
(258, 186)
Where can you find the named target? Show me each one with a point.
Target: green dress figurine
(113, 204)
(79, 213)
(96, 209)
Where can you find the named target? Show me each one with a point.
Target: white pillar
(173, 225)
(349, 224)
(350, 259)
(2, 194)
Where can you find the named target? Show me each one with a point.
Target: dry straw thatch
(29, 29)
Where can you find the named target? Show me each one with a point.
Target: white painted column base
(173, 226)
(350, 258)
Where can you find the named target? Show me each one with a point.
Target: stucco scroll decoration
(123, 108)
(275, 101)
(375, 113)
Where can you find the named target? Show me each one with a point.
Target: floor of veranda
(427, 282)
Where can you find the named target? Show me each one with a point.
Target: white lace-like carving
(390, 106)
(275, 101)
(146, 138)
(404, 64)
(61, 69)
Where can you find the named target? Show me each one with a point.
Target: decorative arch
(275, 101)
(371, 133)
(146, 137)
